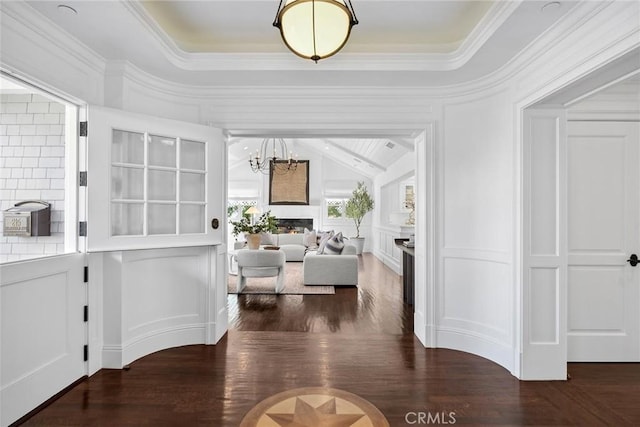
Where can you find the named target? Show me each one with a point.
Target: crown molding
(588, 28)
(280, 61)
(592, 33)
(30, 18)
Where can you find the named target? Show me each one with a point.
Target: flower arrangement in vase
(252, 229)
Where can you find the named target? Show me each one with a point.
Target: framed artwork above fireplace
(290, 188)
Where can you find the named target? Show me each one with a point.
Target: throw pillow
(334, 245)
(266, 239)
(321, 234)
(310, 239)
(323, 242)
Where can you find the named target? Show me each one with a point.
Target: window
(237, 208)
(38, 162)
(157, 185)
(335, 208)
(152, 183)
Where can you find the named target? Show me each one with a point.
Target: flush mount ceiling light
(315, 29)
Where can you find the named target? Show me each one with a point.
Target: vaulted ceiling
(368, 156)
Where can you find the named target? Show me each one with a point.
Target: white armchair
(260, 263)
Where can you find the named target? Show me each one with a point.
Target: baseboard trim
(117, 356)
(47, 402)
(476, 344)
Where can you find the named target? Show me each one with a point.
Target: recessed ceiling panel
(385, 26)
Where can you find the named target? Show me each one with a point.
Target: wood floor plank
(359, 340)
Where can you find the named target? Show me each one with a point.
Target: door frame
(608, 344)
(548, 360)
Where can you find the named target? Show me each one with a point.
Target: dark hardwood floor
(358, 340)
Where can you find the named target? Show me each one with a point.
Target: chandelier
(315, 29)
(273, 155)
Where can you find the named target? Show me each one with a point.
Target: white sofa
(323, 269)
(291, 244)
(318, 269)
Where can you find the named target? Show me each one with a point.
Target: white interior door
(152, 182)
(604, 230)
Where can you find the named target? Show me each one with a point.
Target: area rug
(293, 283)
(313, 407)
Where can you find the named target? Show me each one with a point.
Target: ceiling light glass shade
(315, 29)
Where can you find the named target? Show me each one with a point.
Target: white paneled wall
(474, 308)
(160, 298)
(544, 339)
(32, 158)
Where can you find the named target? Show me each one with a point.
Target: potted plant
(357, 207)
(265, 223)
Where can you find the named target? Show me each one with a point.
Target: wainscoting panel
(474, 282)
(477, 173)
(543, 306)
(218, 315)
(162, 290)
(156, 299)
(43, 332)
(475, 307)
(386, 249)
(477, 297)
(544, 258)
(544, 189)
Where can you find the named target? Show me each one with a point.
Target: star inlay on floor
(314, 407)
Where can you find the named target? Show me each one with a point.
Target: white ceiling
(398, 43)
(245, 26)
(368, 156)
(233, 42)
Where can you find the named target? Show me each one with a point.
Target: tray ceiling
(386, 26)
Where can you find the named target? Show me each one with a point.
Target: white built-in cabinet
(386, 249)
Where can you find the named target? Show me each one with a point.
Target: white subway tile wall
(32, 168)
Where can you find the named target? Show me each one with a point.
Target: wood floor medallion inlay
(314, 407)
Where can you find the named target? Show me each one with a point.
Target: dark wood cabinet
(408, 271)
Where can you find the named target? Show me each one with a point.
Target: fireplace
(293, 225)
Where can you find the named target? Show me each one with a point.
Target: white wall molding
(603, 36)
(445, 61)
(367, 109)
(474, 309)
(389, 261)
(44, 29)
(180, 313)
(290, 107)
(544, 263)
(478, 344)
(43, 332)
(602, 32)
(35, 50)
(620, 103)
(591, 26)
(427, 173)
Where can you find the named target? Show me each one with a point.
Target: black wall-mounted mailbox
(28, 218)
